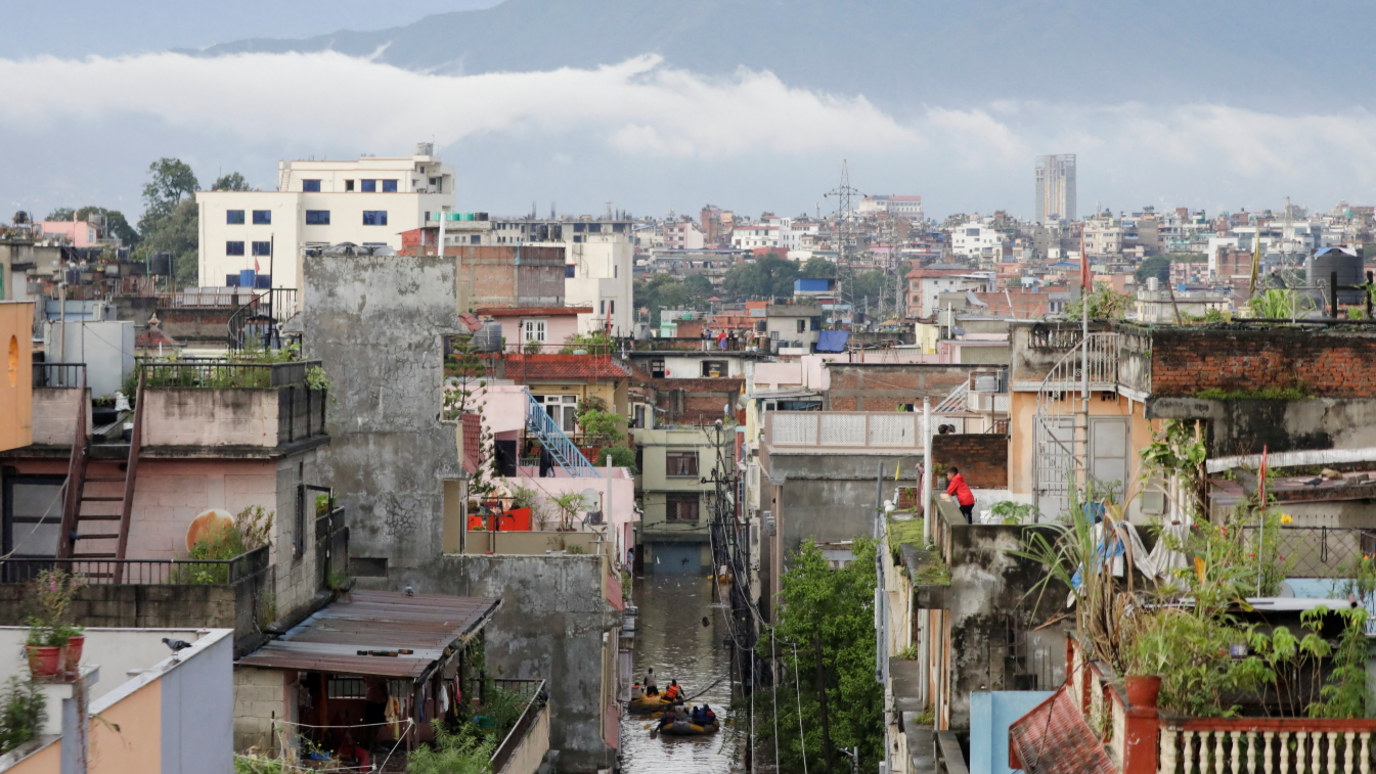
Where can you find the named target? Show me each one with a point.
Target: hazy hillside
(1262, 53)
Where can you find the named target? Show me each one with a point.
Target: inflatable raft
(684, 728)
(648, 704)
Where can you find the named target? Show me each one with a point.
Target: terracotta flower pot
(44, 660)
(1143, 690)
(71, 654)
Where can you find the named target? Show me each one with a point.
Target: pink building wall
(558, 328)
(79, 233)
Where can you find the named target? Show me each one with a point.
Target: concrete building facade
(1055, 192)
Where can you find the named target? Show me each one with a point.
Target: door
(677, 559)
(1108, 452)
(1053, 464)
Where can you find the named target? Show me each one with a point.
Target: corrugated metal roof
(329, 641)
(1054, 739)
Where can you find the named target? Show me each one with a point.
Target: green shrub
(621, 457)
(23, 710)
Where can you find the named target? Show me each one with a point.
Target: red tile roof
(1054, 739)
(564, 368)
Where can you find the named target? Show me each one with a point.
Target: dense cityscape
(329, 474)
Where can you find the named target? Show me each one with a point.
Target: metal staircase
(1061, 427)
(564, 452)
(86, 517)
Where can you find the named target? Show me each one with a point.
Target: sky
(83, 119)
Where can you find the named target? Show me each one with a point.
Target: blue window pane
(234, 217)
(262, 217)
(262, 248)
(568, 270)
(310, 186)
(234, 248)
(369, 186)
(389, 186)
(374, 217)
(317, 217)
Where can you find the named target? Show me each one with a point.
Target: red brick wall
(981, 457)
(856, 387)
(1336, 365)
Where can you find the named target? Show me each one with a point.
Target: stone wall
(160, 607)
(259, 708)
(54, 415)
(981, 457)
(201, 417)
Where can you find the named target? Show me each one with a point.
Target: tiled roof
(1054, 739)
(564, 368)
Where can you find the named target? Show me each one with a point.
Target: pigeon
(176, 645)
(1315, 481)
(410, 592)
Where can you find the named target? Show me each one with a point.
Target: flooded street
(671, 639)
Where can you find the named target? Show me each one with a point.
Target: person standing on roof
(959, 490)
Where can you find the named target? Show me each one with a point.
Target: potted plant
(1145, 659)
(54, 646)
(44, 660)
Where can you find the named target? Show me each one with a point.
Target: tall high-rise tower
(1055, 187)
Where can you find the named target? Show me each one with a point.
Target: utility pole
(845, 231)
(822, 697)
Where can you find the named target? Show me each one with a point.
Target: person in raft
(673, 692)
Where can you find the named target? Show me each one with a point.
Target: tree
(837, 608)
(231, 182)
(699, 288)
(818, 267)
(61, 213)
(178, 233)
(767, 277)
(171, 180)
(1157, 266)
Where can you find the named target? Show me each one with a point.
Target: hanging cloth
(394, 716)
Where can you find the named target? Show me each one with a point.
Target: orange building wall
(16, 374)
(137, 747)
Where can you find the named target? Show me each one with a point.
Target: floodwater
(671, 639)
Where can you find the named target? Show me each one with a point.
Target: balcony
(233, 593)
(860, 432)
(523, 748)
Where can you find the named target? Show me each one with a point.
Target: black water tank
(161, 264)
(1347, 262)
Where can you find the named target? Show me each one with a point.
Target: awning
(376, 622)
(832, 341)
(1055, 739)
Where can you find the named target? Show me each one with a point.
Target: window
(533, 330)
(657, 368)
(234, 248)
(348, 185)
(234, 217)
(262, 248)
(594, 228)
(389, 186)
(310, 186)
(568, 271)
(374, 217)
(802, 326)
(317, 217)
(262, 217)
(713, 369)
(681, 507)
(369, 186)
(345, 687)
(563, 409)
(681, 463)
(611, 306)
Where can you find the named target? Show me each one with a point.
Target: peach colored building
(550, 326)
(16, 374)
(78, 233)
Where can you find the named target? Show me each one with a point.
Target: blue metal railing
(564, 452)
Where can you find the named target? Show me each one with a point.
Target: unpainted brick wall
(1329, 364)
(981, 457)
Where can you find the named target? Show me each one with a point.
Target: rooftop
(581, 368)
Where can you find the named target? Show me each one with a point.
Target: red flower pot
(44, 660)
(71, 654)
(1143, 690)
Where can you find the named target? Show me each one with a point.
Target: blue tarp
(832, 341)
(812, 285)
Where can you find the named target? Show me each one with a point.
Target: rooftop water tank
(1347, 262)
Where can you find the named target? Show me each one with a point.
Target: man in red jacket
(964, 497)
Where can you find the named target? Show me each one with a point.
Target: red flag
(256, 270)
(1086, 279)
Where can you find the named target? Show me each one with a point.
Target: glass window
(389, 186)
(348, 185)
(369, 186)
(234, 248)
(681, 463)
(262, 248)
(262, 217)
(533, 330)
(802, 326)
(374, 217)
(310, 186)
(317, 217)
(234, 217)
(568, 271)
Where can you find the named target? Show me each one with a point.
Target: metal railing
(1318, 552)
(142, 572)
(1060, 430)
(552, 437)
(58, 374)
(534, 706)
(214, 373)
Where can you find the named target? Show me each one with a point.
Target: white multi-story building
(791, 232)
(749, 237)
(909, 207)
(370, 201)
(977, 240)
